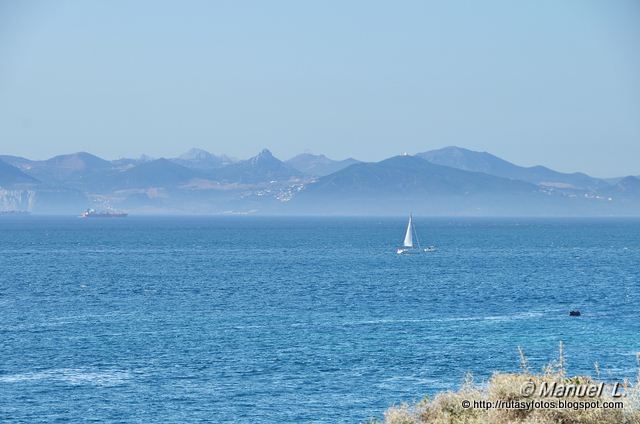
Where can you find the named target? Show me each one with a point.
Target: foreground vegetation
(507, 388)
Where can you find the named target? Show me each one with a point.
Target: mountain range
(318, 165)
(447, 181)
(487, 163)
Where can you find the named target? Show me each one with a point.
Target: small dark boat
(574, 313)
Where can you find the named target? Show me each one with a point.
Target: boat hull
(414, 251)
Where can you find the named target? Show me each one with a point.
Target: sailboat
(407, 245)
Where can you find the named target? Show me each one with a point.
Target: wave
(62, 321)
(73, 376)
(516, 316)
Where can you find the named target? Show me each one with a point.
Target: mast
(417, 238)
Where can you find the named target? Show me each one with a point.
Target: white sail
(408, 237)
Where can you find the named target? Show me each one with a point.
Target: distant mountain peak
(318, 165)
(265, 153)
(310, 156)
(629, 183)
(160, 172)
(78, 161)
(264, 167)
(264, 156)
(161, 161)
(457, 148)
(79, 155)
(470, 160)
(202, 160)
(404, 181)
(460, 153)
(196, 154)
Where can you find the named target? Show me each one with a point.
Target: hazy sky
(537, 82)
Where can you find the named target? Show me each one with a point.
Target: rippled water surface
(297, 319)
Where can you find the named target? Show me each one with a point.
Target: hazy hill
(17, 161)
(19, 191)
(611, 181)
(75, 170)
(469, 160)
(404, 183)
(201, 160)
(10, 176)
(318, 165)
(626, 189)
(412, 175)
(79, 161)
(259, 169)
(75, 166)
(474, 184)
(629, 184)
(125, 163)
(156, 173)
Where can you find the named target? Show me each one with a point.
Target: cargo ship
(92, 213)
(14, 213)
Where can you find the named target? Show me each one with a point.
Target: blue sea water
(245, 319)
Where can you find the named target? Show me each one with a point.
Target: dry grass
(447, 408)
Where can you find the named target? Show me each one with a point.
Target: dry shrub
(447, 408)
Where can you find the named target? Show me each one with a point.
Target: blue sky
(537, 82)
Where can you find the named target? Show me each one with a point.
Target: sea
(250, 319)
